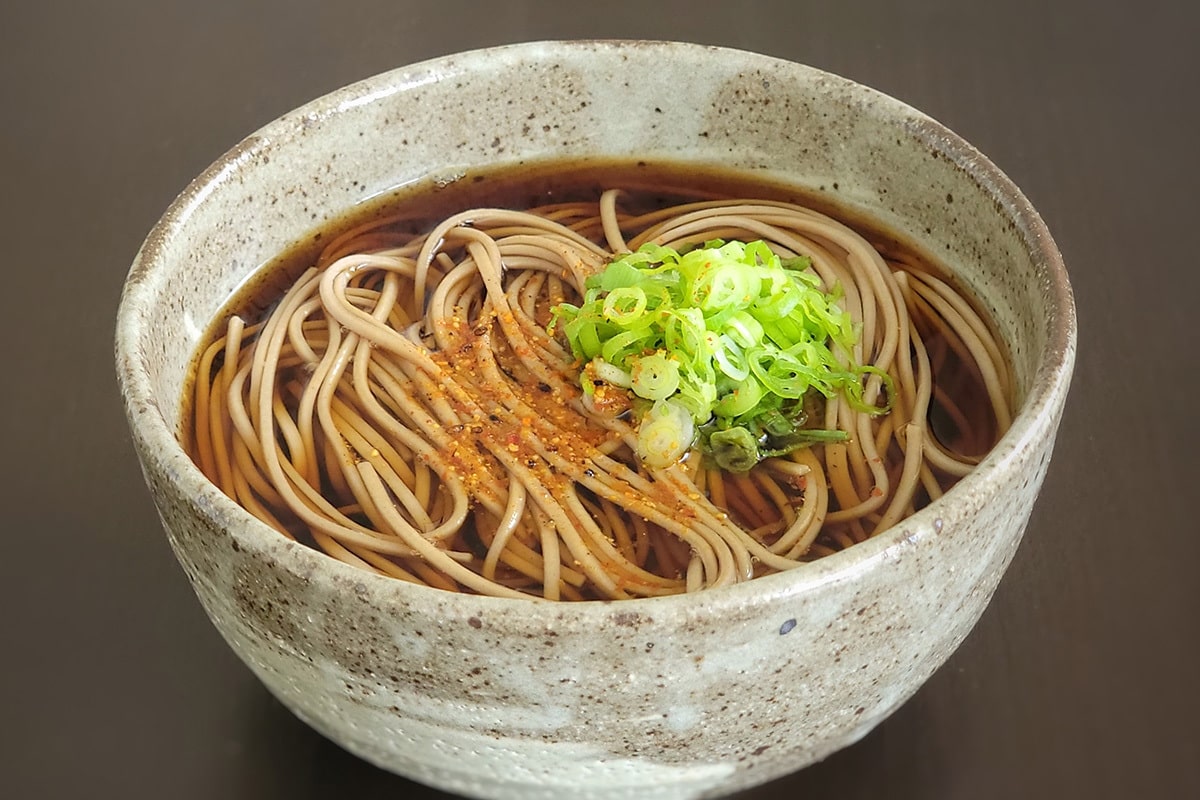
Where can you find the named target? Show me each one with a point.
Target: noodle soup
(694, 694)
(403, 390)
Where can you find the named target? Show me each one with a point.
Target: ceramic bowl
(679, 697)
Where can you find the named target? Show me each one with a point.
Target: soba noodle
(404, 409)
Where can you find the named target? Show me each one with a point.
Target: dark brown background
(1081, 678)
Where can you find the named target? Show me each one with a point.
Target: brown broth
(648, 186)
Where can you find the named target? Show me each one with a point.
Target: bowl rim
(157, 443)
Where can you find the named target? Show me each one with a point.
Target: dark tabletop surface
(1079, 681)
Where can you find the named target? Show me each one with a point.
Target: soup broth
(399, 389)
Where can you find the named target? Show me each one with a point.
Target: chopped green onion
(665, 434)
(735, 449)
(728, 336)
(624, 304)
(610, 373)
(740, 400)
(655, 377)
(729, 357)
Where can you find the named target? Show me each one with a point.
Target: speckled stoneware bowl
(681, 697)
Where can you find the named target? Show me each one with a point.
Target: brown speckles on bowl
(668, 698)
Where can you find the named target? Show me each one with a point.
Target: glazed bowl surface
(676, 697)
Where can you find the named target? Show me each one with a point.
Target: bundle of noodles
(404, 409)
